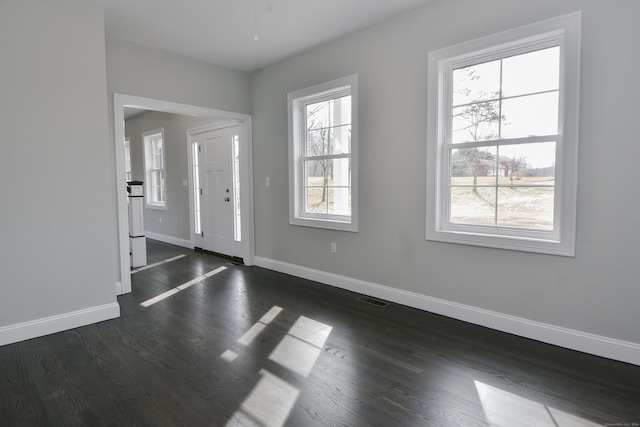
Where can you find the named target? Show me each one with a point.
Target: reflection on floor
(202, 341)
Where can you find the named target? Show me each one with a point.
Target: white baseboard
(62, 322)
(623, 351)
(169, 239)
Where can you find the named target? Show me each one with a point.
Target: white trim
(62, 322)
(246, 168)
(623, 351)
(169, 239)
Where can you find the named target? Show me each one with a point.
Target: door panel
(216, 202)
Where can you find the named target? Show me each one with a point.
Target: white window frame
(297, 136)
(147, 137)
(563, 31)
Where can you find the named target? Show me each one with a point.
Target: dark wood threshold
(233, 259)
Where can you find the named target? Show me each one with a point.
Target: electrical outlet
(333, 248)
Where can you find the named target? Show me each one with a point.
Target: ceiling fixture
(255, 21)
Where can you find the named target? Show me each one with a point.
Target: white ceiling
(222, 31)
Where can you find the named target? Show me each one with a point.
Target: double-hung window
(155, 169)
(323, 155)
(503, 137)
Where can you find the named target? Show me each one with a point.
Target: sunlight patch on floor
(182, 287)
(300, 348)
(259, 326)
(146, 267)
(271, 400)
(268, 404)
(504, 409)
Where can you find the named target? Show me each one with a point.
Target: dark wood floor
(249, 346)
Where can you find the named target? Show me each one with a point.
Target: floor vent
(373, 301)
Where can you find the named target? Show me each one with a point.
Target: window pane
(475, 122)
(526, 207)
(127, 157)
(531, 72)
(318, 115)
(196, 188)
(157, 186)
(330, 172)
(473, 205)
(327, 186)
(237, 226)
(340, 140)
(527, 164)
(530, 115)
(339, 202)
(316, 172)
(327, 141)
(476, 83)
(341, 172)
(341, 111)
(157, 161)
(318, 142)
(316, 200)
(468, 164)
(329, 127)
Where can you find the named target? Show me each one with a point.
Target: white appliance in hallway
(137, 239)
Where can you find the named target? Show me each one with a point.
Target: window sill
(516, 243)
(156, 207)
(324, 223)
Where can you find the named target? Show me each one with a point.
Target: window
(503, 139)
(197, 189)
(237, 214)
(323, 155)
(127, 159)
(155, 171)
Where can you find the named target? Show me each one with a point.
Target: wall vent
(373, 301)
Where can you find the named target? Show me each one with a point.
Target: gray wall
(174, 221)
(595, 292)
(137, 70)
(57, 217)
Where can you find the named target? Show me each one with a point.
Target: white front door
(217, 198)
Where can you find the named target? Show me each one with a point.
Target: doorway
(245, 168)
